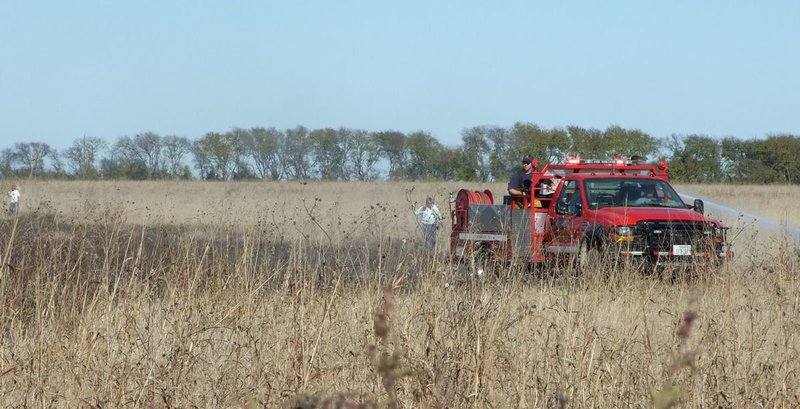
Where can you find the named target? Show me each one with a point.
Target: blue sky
(112, 68)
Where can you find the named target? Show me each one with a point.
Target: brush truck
(588, 214)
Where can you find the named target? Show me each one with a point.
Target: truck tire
(589, 258)
(480, 261)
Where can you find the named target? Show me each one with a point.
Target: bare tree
(126, 160)
(175, 148)
(297, 163)
(141, 155)
(82, 156)
(7, 162)
(30, 156)
(148, 148)
(241, 167)
(263, 145)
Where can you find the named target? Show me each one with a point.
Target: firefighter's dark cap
(527, 159)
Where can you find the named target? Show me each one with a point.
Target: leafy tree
(363, 154)
(186, 173)
(329, 150)
(770, 160)
(462, 169)
(696, 158)
(629, 142)
(556, 145)
(547, 146)
(474, 155)
(263, 146)
(504, 157)
(744, 161)
(587, 143)
(733, 154)
(423, 150)
(216, 155)
(780, 154)
(446, 163)
(112, 169)
(392, 146)
(614, 141)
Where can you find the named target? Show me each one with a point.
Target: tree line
(486, 153)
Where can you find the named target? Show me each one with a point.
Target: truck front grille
(661, 236)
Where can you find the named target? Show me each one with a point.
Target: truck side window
(575, 201)
(569, 196)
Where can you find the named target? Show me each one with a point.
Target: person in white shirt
(430, 218)
(13, 207)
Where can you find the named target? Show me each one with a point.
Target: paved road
(754, 238)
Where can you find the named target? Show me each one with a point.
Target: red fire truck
(589, 213)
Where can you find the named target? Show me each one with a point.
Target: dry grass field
(192, 294)
(776, 202)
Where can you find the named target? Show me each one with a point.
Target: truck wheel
(479, 261)
(589, 258)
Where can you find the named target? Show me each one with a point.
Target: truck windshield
(631, 192)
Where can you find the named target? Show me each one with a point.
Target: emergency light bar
(579, 161)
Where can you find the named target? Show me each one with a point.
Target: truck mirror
(699, 206)
(562, 206)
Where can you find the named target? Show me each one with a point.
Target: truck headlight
(718, 233)
(715, 232)
(624, 233)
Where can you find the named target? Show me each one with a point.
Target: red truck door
(566, 224)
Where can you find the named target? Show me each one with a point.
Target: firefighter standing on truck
(520, 183)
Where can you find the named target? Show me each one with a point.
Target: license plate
(682, 250)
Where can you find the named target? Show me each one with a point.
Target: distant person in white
(13, 208)
(429, 217)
